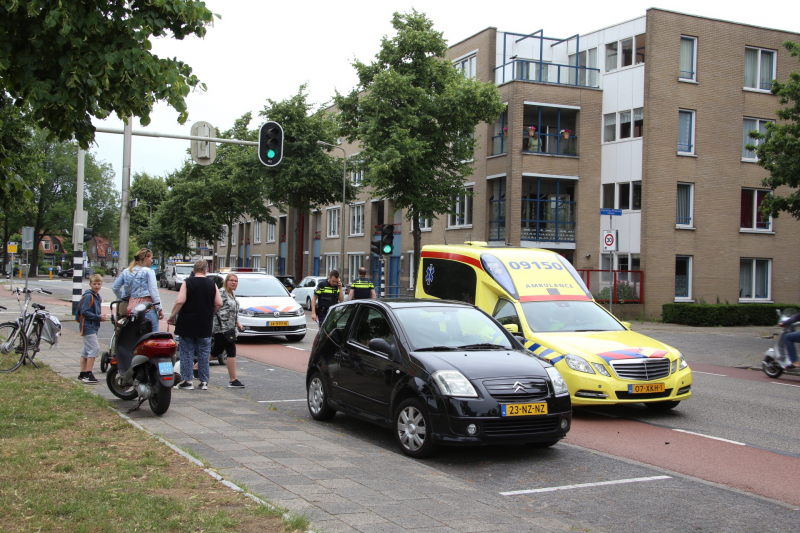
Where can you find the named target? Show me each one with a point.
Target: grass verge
(68, 463)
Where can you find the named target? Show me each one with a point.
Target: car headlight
(601, 369)
(299, 312)
(579, 364)
(559, 385)
(683, 364)
(247, 312)
(453, 383)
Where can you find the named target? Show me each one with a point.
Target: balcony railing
(626, 285)
(500, 144)
(545, 72)
(548, 220)
(551, 143)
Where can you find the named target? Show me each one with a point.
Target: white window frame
(694, 60)
(690, 271)
(756, 142)
(224, 235)
(755, 260)
(693, 139)
(255, 261)
(616, 126)
(465, 203)
(758, 88)
(332, 263)
(425, 224)
(357, 220)
(754, 228)
(467, 65)
(46, 245)
(690, 225)
(269, 264)
(256, 232)
(233, 235)
(356, 177)
(270, 232)
(332, 226)
(220, 262)
(354, 262)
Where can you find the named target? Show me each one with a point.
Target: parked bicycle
(20, 339)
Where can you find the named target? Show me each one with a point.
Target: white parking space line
(709, 373)
(787, 384)
(294, 348)
(585, 485)
(280, 401)
(710, 437)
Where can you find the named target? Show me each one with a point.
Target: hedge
(706, 315)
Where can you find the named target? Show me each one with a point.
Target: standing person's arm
(350, 294)
(153, 289)
(372, 293)
(341, 291)
(179, 301)
(314, 307)
(217, 299)
(117, 286)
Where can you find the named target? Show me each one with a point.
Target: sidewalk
(343, 484)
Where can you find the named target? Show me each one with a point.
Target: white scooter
(776, 359)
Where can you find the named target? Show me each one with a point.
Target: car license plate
(278, 323)
(646, 389)
(165, 369)
(524, 409)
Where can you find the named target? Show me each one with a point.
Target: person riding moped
(792, 338)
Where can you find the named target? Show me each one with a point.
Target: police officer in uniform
(362, 288)
(328, 293)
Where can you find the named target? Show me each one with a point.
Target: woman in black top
(197, 302)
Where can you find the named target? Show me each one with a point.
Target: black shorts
(219, 343)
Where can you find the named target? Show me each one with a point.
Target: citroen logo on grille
(519, 387)
(277, 314)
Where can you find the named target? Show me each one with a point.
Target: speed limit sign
(609, 240)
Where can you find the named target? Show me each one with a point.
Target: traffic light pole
(383, 276)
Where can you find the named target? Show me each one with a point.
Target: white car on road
(303, 293)
(266, 308)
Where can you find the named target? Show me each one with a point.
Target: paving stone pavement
(339, 482)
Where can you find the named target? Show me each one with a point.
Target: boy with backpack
(90, 315)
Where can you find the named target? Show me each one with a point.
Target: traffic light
(87, 234)
(387, 239)
(376, 247)
(270, 144)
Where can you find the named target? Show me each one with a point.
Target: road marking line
(295, 348)
(710, 437)
(787, 384)
(280, 401)
(585, 485)
(709, 373)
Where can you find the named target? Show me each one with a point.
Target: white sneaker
(203, 385)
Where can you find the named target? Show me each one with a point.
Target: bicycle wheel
(33, 342)
(13, 346)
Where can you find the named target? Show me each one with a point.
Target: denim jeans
(790, 339)
(152, 316)
(191, 347)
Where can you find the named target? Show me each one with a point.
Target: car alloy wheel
(317, 399)
(413, 429)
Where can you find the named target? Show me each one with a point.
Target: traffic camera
(387, 239)
(270, 144)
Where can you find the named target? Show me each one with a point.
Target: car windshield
(568, 316)
(451, 328)
(184, 270)
(262, 287)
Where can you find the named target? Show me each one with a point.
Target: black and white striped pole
(383, 276)
(77, 238)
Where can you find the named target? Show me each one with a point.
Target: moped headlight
(559, 385)
(578, 364)
(453, 383)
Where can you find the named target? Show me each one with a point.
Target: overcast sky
(262, 49)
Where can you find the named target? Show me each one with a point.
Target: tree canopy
(779, 149)
(415, 115)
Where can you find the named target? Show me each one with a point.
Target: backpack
(80, 303)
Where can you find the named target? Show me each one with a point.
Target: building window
(625, 128)
(610, 127)
(624, 195)
(638, 122)
(550, 130)
(467, 66)
(357, 219)
(752, 124)
(639, 58)
(333, 222)
(424, 224)
(759, 68)
(497, 210)
(636, 196)
(500, 137)
(356, 177)
(233, 234)
(270, 232)
(332, 263)
(257, 233)
(46, 245)
(269, 264)
(627, 52)
(683, 277)
(354, 262)
(688, 61)
(611, 56)
(754, 279)
(57, 248)
(685, 204)
(255, 261)
(686, 131)
(462, 209)
(608, 196)
(220, 261)
(585, 74)
(752, 218)
(224, 235)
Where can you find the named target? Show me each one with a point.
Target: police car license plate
(646, 389)
(165, 369)
(278, 323)
(523, 409)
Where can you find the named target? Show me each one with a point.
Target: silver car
(303, 293)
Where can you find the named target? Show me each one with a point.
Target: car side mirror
(380, 345)
(627, 325)
(511, 328)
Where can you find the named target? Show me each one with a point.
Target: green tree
(306, 177)
(150, 192)
(415, 115)
(71, 60)
(779, 149)
(18, 159)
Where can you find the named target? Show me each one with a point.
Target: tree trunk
(228, 251)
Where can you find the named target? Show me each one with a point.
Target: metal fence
(627, 286)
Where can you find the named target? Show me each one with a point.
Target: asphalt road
(726, 460)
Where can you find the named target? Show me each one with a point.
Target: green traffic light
(271, 154)
(387, 248)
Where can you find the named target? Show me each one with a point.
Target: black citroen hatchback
(434, 372)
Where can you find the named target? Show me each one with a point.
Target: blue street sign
(115, 254)
(612, 212)
(50, 269)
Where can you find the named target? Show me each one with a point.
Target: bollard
(51, 274)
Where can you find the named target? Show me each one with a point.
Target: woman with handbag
(226, 323)
(139, 284)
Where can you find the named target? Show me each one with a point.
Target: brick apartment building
(648, 117)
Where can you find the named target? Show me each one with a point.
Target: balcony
(550, 130)
(548, 210)
(546, 72)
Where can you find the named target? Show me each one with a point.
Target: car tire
(295, 338)
(410, 417)
(662, 406)
(317, 399)
(308, 304)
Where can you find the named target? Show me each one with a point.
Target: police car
(267, 309)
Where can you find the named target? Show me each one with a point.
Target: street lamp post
(344, 199)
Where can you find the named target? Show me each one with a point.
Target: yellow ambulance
(538, 295)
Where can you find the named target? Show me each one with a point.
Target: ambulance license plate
(165, 369)
(278, 323)
(646, 389)
(523, 409)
